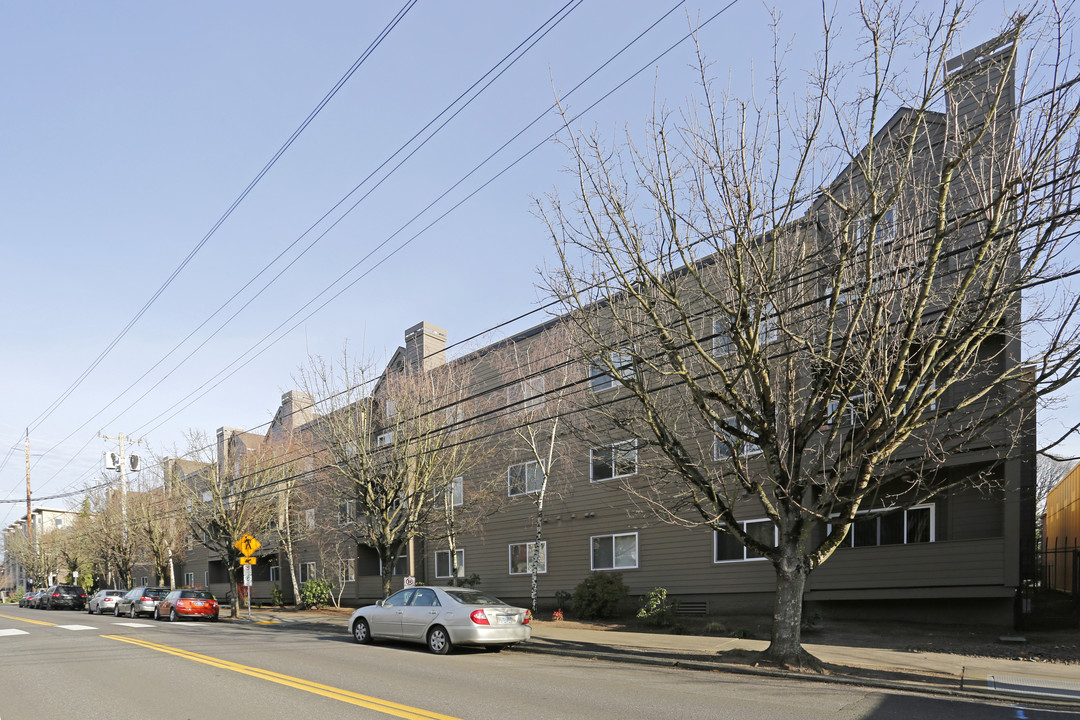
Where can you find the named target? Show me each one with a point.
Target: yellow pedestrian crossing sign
(247, 545)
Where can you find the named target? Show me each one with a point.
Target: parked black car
(69, 597)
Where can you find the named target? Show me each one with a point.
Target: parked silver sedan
(442, 617)
(103, 601)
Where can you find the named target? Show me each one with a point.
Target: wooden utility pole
(29, 516)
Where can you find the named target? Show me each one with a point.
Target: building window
(189, 579)
(613, 461)
(769, 326)
(600, 379)
(309, 518)
(725, 443)
(615, 552)
(347, 570)
(206, 579)
(527, 394)
(442, 563)
(144, 580)
(521, 558)
(347, 512)
(727, 549)
(401, 565)
(391, 409)
(902, 527)
(453, 494)
(385, 439)
(524, 478)
(307, 572)
(722, 343)
(275, 573)
(59, 522)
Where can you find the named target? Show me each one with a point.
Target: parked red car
(180, 604)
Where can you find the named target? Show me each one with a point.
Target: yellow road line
(36, 622)
(346, 696)
(268, 622)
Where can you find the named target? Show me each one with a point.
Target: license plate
(199, 603)
(507, 619)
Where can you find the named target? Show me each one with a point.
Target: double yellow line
(346, 696)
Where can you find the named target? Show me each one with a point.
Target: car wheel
(89, 611)
(173, 617)
(157, 615)
(132, 613)
(213, 618)
(438, 640)
(116, 610)
(361, 632)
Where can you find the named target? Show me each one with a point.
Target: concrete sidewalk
(939, 673)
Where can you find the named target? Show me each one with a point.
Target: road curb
(731, 669)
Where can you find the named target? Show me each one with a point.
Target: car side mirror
(378, 603)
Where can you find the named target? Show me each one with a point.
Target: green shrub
(315, 593)
(279, 597)
(716, 628)
(656, 609)
(599, 596)
(562, 599)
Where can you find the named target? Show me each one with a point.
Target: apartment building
(559, 483)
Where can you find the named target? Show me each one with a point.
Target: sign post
(247, 545)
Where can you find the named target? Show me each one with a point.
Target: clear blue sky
(128, 129)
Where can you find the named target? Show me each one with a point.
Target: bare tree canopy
(803, 353)
(387, 445)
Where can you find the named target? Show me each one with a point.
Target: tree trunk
(785, 648)
(234, 591)
(534, 556)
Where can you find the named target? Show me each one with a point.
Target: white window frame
(722, 342)
(460, 552)
(528, 394)
(306, 571)
(275, 573)
(347, 570)
(611, 459)
(206, 579)
(599, 377)
(746, 448)
(386, 438)
(538, 478)
(390, 407)
(745, 550)
(456, 489)
(541, 570)
(189, 579)
(347, 513)
(614, 563)
(849, 541)
(309, 518)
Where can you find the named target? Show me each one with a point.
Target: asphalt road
(64, 664)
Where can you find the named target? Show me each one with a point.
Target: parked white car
(442, 617)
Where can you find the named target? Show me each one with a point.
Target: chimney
(425, 346)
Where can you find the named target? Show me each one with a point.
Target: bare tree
(156, 516)
(110, 541)
(224, 499)
(808, 352)
(1049, 472)
(386, 443)
(540, 391)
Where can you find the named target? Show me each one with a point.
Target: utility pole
(29, 515)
